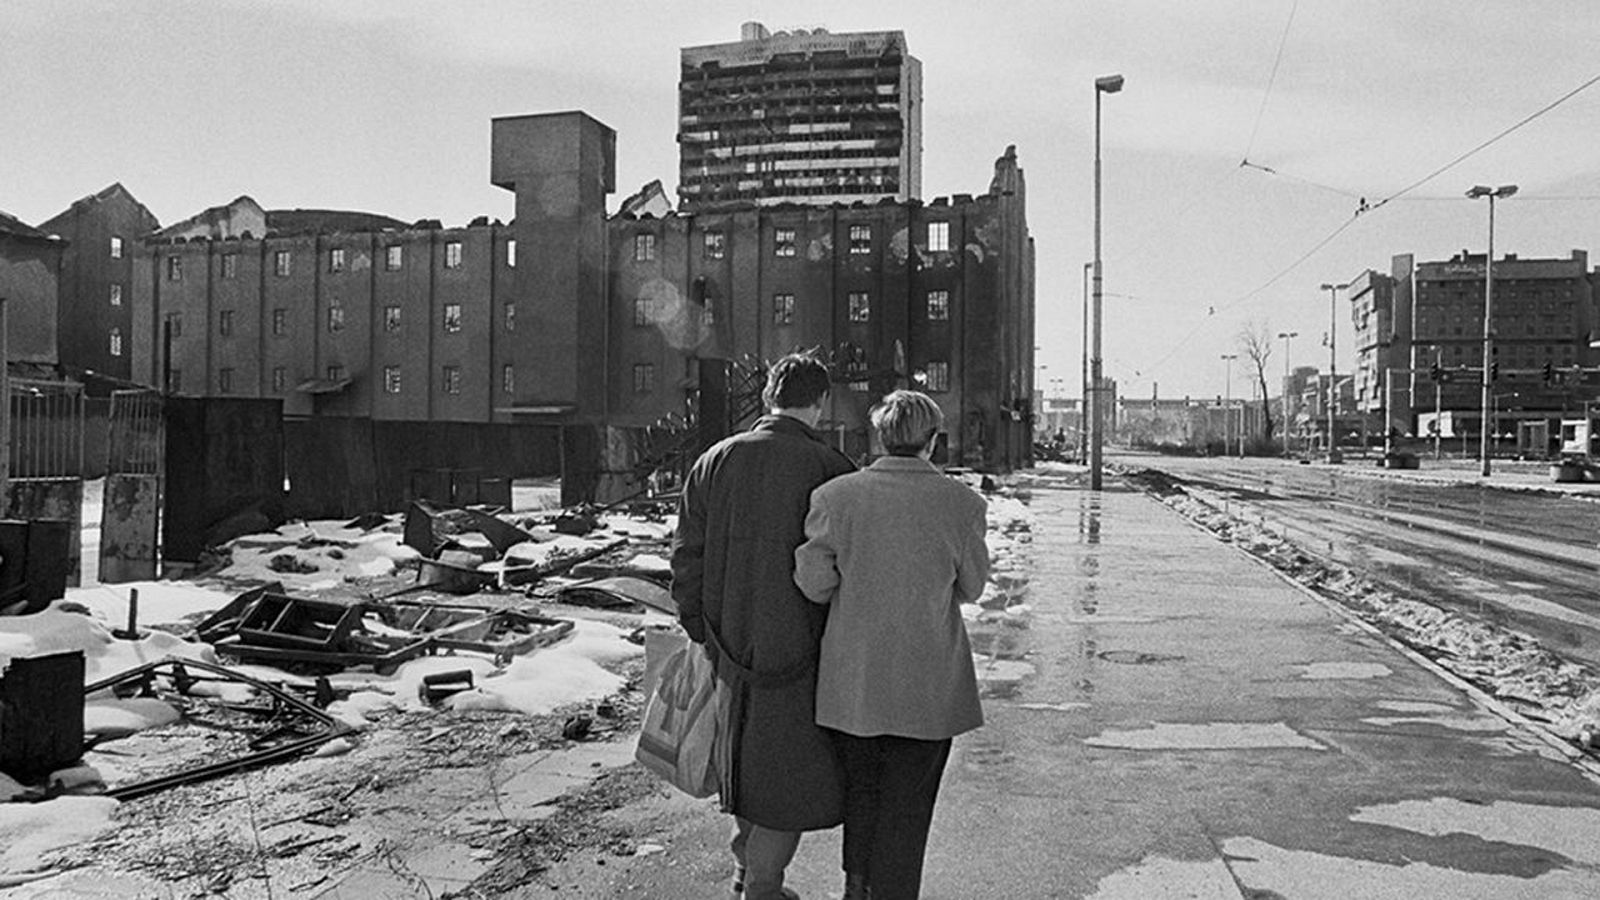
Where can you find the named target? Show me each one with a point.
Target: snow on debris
(55, 630)
(28, 830)
(160, 602)
(316, 555)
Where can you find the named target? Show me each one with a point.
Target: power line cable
(1261, 113)
(1475, 150)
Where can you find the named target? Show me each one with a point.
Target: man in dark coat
(740, 517)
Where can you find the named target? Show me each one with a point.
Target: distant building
(1543, 319)
(29, 262)
(800, 116)
(1382, 318)
(102, 231)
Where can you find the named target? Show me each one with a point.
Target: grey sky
(385, 107)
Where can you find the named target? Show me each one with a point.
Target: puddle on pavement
(1001, 679)
(1567, 830)
(1484, 724)
(1324, 671)
(1005, 645)
(1207, 736)
(1159, 877)
(1137, 657)
(1052, 707)
(1261, 868)
(1092, 619)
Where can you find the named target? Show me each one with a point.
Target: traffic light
(1549, 373)
(1494, 370)
(1433, 371)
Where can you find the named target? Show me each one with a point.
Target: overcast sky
(385, 107)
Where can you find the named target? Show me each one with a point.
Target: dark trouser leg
(907, 790)
(764, 853)
(863, 768)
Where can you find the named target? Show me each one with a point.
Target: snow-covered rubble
(1505, 663)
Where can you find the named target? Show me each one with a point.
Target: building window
(174, 268)
(511, 317)
(116, 247)
(335, 318)
(116, 295)
(451, 381)
(783, 242)
(393, 257)
(511, 253)
(714, 246)
(938, 306)
(225, 323)
(224, 381)
(280, 322)
(452, 255)
(175, 325)
(280, 379)
(642, 307)
(335, 373)
(644, 247)
(391, 318)
(508, 379)
(230, 265)
(860, 307)
(391, 379)
(280, 263)
(336, 259)
(783, 309)
(938, 236)
(452, 317)
(860, 239)
(116, 342)
(644, 378)
(938, 376)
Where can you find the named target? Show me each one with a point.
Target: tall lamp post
(1495, 193)
(1083, 408)
(1333, 382)
(1286, 335)
(1105, 84)
(1227, 403)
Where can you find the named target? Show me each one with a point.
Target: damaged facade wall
(415, 321)
(956, 322)
(95, 322)
(29, 266)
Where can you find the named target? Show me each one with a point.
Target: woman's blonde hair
(906, 421)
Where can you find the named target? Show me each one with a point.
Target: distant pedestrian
(741, 516)
(894, 550)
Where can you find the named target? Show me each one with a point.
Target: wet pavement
(1169, 718)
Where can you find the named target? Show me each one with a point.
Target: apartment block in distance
(805, 116)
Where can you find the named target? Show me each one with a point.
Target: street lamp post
(1286, 335)
(1333, 382)
(1495, 193)
(1105, 84)
(1227, 402)
(1083, 407)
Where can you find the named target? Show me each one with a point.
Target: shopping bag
(679, 728)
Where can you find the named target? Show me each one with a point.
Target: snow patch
(1208, 736)
(1567, 830)
(29, 830)
(1336, 670)
(1160, 878)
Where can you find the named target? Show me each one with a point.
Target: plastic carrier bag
(679, 728)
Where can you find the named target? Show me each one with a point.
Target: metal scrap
(287, 739)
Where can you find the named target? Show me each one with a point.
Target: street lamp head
(1333, 287)
(1483, 190)
(1108, 84)
(1288, 334)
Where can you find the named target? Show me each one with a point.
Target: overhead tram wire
(1363, 208)
(1283, 41)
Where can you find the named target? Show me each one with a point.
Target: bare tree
(1255, 340)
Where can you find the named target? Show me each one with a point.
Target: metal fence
(46, 429)
(137, 431)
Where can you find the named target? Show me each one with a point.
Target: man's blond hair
(906, 421)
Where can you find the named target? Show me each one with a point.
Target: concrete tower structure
(800, 116)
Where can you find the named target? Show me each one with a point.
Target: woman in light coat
(894, 550)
